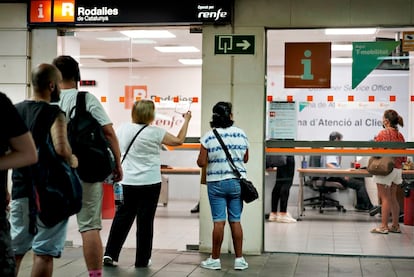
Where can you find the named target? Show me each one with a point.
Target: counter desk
(337, 172)
(180, 170)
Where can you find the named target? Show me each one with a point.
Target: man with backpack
(90, 217)
(44, 120)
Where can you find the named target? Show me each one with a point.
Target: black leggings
(140, 204)
(284, 180)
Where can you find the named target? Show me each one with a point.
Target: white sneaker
(211, 264)
(240, 264)
(273, 217)
(286, 218)
(107, 261)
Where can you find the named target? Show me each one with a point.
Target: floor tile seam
(362, 256)
(361, 270)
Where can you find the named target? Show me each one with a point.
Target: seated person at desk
(358, 184)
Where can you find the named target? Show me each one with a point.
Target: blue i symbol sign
(308, 65)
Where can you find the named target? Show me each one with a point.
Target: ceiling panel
(94, 51)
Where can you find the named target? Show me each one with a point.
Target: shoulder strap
(45, 115)
(80, 106)
(229, 158)
(81, 102)
(132, 141)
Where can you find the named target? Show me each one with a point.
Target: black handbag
(248, 191)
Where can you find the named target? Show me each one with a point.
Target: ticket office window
(356, 97)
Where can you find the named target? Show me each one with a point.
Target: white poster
(281, 120)
(356, 113)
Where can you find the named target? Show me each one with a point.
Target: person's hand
(7, 201)
(73, 161)
(187, 116)
(117, 174)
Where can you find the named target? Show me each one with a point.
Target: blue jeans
(224, 196)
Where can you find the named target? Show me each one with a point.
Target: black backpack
(57, 186)
(57, 189)
(89, 144)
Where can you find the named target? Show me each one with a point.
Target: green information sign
(366, 56)
(234, 44)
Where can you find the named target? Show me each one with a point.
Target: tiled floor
(329, 233)
(338, 233)
(170, 263)
(174, 228)
(331, 244)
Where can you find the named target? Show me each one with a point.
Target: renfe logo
(210, 12)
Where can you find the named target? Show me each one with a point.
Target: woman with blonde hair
(141, 181)
(387, 185)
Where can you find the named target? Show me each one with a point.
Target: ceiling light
(352, 31)
(341, 60)
(135, 41)
(176, 49)
(148, 34)
(143, 41)
(341, 47)
(90, 57)
(191, 61)
(113, 38)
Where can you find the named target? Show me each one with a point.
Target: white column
(69, 45)
(44, 46)
(240, 80)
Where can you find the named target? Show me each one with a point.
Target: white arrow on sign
(245, 44)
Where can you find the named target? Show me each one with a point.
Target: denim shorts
(47, 241)
(224, 196)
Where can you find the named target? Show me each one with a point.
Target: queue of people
(137, 168)
(51, 83)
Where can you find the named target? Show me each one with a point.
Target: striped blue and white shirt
(218, 167)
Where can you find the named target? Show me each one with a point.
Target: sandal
(380, 230)
(395, 229)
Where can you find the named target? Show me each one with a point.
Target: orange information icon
(40, 11)
(308, 65)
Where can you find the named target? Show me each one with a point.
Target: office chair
(324, 187)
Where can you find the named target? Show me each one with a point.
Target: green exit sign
(234, 44)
